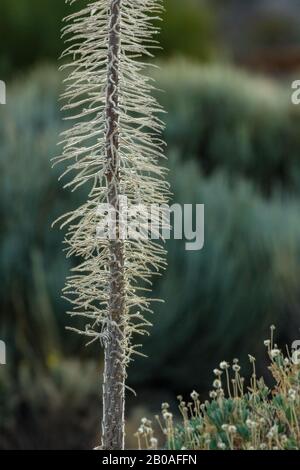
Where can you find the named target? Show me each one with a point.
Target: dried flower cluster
(237, 417)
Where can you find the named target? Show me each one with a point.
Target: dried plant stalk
(114, 148)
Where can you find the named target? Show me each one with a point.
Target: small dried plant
(114, 149)
(236, 417)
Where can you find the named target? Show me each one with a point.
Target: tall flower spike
(114, 149)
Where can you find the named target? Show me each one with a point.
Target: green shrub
(232, 121)
(189, 29)
(23, 38)
(245, 278)
(237, 417)
(31, 264)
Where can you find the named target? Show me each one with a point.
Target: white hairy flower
(224, 365)
(232, 429)
(251, 424)
(274, 353)
(217, 383)
(154, 442)
(194, 395)
(221, 446)
(292, 394)
(273, 432)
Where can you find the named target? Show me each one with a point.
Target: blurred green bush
(30, 31)
(219, 301)
(227, 119)
(57, 410)
(188, 29)
(32, 267)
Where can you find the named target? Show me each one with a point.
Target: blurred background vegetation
(233, 144)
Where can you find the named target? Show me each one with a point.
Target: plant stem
(114, 373)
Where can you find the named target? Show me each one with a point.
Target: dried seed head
(251, 424)
(195, 395)
(251, 358)
(274, 353)
(221, 445)
(224, 365)
(154, 442)
(232, 429)
(217, 383)
(292, 394)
